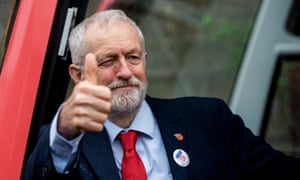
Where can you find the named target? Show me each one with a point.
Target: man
(184, 138)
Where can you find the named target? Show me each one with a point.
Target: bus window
(282, 130)
(194, 46)
(7, 11)
(281, 125)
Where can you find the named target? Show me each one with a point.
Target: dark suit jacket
(219, 146)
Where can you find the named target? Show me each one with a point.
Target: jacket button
(44, 171)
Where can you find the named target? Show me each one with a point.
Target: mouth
(123, 87)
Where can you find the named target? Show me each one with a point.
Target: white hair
(77, 43)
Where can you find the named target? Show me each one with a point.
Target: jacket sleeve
(39, 165)
(255, 157)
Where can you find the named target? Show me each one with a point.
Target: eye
(134, 58)
(106, 62)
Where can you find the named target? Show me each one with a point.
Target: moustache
(122, 83)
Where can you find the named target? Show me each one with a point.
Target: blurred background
(196, 48)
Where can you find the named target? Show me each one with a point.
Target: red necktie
(132, 166)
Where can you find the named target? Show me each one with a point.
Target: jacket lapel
(101, 158)
(172, 144)
(100, 155)
(173, 136)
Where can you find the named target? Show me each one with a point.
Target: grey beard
(126, 103)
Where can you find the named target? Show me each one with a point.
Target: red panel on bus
(19, 81)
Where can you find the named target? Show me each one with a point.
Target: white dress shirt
(149, 145)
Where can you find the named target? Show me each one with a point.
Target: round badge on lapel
(181, 158)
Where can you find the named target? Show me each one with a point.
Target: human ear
(75, 73)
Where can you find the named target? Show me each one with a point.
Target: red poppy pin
(178, 136)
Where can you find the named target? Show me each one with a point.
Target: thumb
(90, 68)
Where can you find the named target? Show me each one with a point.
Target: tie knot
(128, 140)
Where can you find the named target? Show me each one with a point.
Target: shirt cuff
(62, 150)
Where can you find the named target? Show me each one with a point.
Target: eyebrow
(102, 56)
(113, 54)
(135, 50)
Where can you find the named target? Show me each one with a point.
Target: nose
(124, 71)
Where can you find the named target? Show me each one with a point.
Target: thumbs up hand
(88, 106)
(90, 69)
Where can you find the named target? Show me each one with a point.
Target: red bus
(243, 52)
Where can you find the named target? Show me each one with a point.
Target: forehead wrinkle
(107, 46)
(103, 54)
(110, 40)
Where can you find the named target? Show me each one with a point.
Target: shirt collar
(144, 122)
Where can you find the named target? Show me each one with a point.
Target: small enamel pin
(181, 158)
(178, 136)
